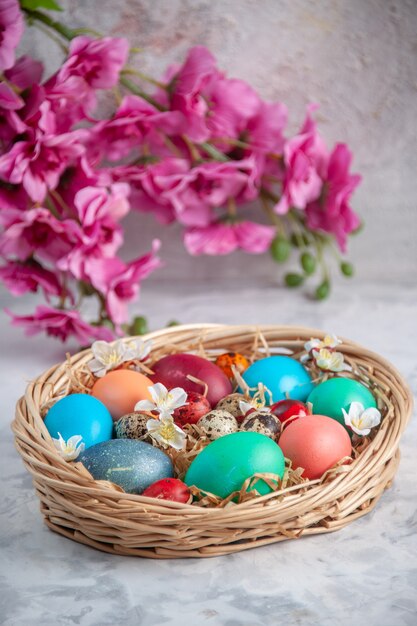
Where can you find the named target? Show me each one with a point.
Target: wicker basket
(101, 516)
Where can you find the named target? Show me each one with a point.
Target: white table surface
(363, 574)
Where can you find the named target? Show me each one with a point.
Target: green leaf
(323, 290)
(280, 249)
(293, 280)
(308, 263)
(34, 5)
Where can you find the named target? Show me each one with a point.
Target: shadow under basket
(99, 515)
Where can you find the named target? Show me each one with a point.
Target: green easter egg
(335, 394)
(224, 465)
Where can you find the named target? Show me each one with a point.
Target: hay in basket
(101, 515)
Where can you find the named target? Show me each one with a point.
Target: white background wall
(358, 58)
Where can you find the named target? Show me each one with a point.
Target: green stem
(213, 152)
(137, 91)
(64, 31)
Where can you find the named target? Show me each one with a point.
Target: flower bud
(347, 268)
(322, 290)
(139, 326)
(280, 249)
(293, 280)
(308, 263)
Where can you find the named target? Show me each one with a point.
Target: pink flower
(37, 232)
(25, 72)
(61, 324)
(20, 278)
(120, 282)
(71, 99)
(265, 128)
(97, 61)
(331, 213)
(232, 103)
(220, 238)
(135, 122)
(11, 30)
(305, 159)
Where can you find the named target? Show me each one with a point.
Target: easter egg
(282, 375)
(231, 403)
(132, 426)
(316, 443)
(80, 414)
(131, 464)
(289, 409)
(224, 465)
(335, 394)
(228, 359)
(197, 406)
(120, 390)
(173, 371)
(169, 489)
(218, 423)
(264, 423)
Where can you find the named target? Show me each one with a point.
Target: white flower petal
(158, 392)
(177, 397)
(153, 425)
(145, 405)
(372, 417)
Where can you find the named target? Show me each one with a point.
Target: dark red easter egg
(173, 371)
(168, 489)
(197, 406)
(286, 409)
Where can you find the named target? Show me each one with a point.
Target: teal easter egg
(335, 394)
(80, 414)
(224, 465)
(283, 376)
(129, 463)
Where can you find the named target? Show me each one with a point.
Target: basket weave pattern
(99, 515)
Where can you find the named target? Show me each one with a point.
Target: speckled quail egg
(231, 403)
(132, 426)
(218, 423)
(264, 423)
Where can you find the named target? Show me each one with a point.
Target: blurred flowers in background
(195, 150)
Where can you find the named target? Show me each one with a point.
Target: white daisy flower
(109, 356)
(71, 449)
(166, 432)
(361, 420)
(164, 402)
(329, 361)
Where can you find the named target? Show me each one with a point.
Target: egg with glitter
(218, 423)
(264, 423)
(132, 426)
(223, 466)
(231, 403)
(131, 464)
(230, 360)
(192, 373)
(197, 405)
(335, 394)
(316, 443)
(282, 375)
(80, 414)
(120, 390)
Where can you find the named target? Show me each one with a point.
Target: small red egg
(226, 360)
(197, 406)
(174, 371)
(286, 409)
(120, 390)
(316, 443)
(168, 489)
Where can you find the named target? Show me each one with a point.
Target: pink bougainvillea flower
(134, 122)
(120, 282)
(332, 213)
(20, 278)
(305, 159)
(97, 61)
(36, 231)
(25, 72)
(61, 324)
(220, 238)
(11, 30)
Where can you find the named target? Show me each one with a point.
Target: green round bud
(308, 263)
(139, 326)
(347, 268)
(173, 323)
(280, 249)
(322, 290)
(293, 280)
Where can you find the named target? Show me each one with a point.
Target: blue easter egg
(80, 414)
(129, 463)
(283, 376)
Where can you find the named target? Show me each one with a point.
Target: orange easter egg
(120, 390)
(226, 360)
(316, 443)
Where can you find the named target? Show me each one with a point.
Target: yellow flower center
(112, 358)
(167, 431)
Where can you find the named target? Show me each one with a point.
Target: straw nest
(101, 515)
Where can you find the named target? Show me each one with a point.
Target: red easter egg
(284, 409)
(197, 406)
(173, 371)
(168, 489)
(316, 443)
